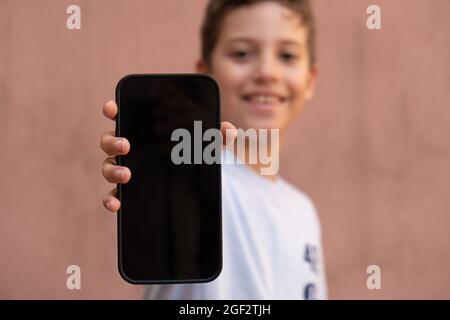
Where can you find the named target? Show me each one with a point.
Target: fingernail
(119, 174)
(119, 144)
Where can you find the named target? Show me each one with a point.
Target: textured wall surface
(372, 150)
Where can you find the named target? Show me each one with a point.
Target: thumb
(229, 133)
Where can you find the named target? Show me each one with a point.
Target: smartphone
(170, 219)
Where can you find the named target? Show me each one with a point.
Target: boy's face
(261, 62)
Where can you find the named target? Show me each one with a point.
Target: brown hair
(218, 9)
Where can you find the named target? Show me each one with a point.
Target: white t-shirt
(271, 244)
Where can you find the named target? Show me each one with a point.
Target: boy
(262, 54)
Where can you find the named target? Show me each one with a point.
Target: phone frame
(119, 185)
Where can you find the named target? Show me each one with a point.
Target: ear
(311, 82)
(201, 66)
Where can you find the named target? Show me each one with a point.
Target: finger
(112, 145)
(114, 173)
(110, 109)
(229, 132)
(110, 201)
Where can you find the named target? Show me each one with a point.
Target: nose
(267, 69)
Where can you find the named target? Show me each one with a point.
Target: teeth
(265, 99)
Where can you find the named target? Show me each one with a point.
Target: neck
(260, 155)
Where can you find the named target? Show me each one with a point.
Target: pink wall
(372, 150)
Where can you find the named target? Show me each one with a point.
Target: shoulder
(302, 203)
(297, 194)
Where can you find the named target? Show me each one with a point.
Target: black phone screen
(170, 220)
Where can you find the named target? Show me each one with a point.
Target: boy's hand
(114, 146)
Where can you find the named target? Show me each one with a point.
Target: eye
(288, 57)
(240, 54)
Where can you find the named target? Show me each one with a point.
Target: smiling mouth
(264, 102)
